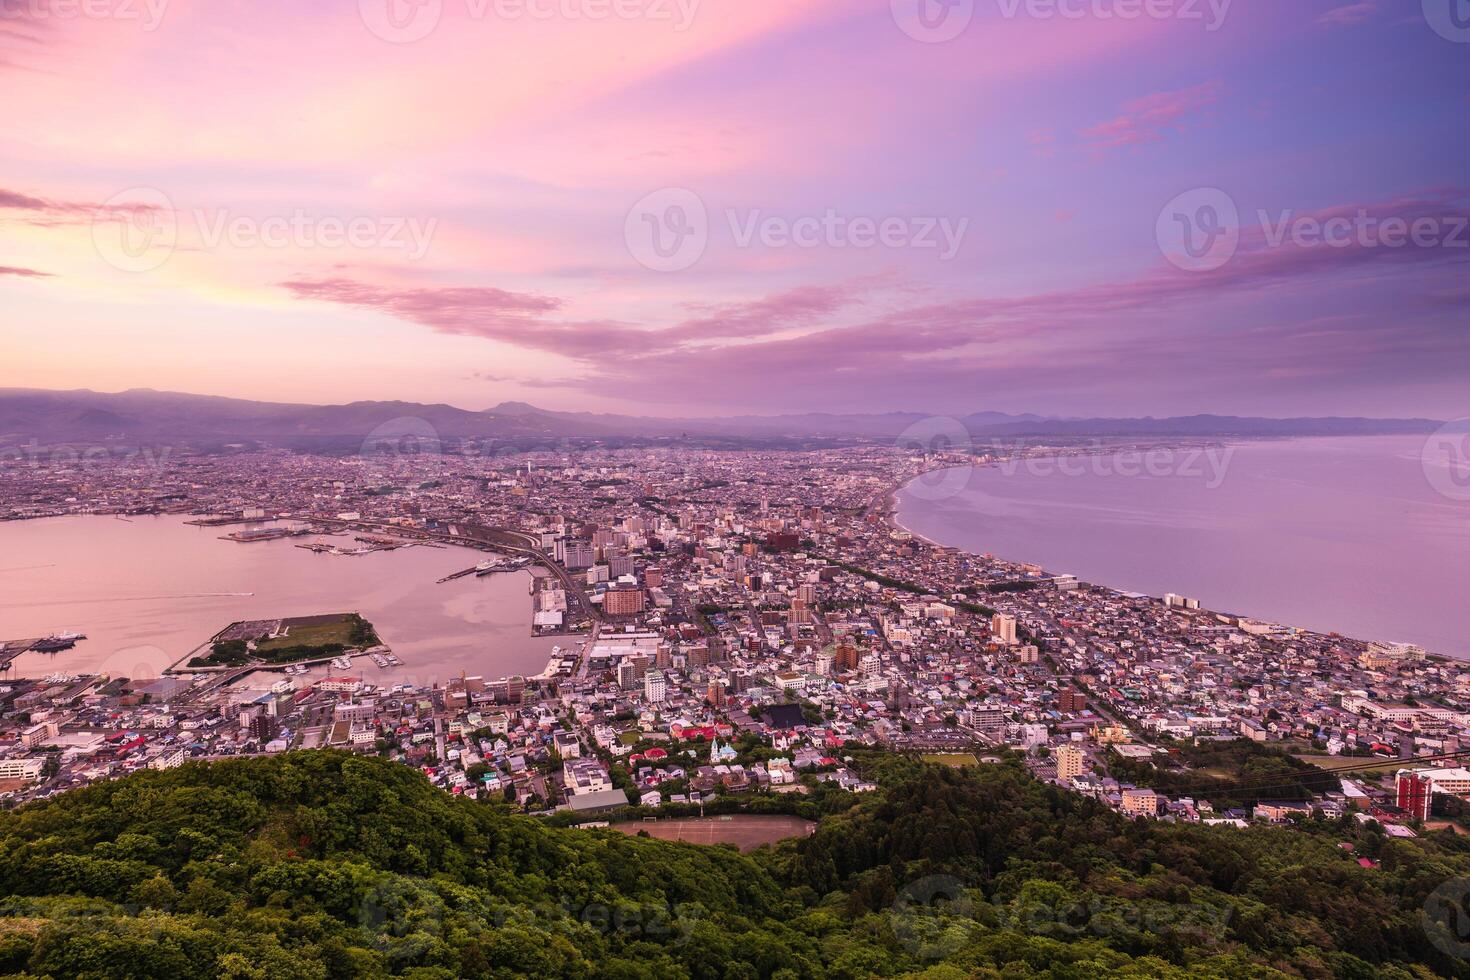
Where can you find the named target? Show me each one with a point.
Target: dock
(480, 571)
(56, 643)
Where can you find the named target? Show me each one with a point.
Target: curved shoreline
(1360, 633)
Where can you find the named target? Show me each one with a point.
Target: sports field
(745, 831)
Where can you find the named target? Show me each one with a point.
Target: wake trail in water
(140, 598)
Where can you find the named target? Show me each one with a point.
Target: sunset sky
(721, 206)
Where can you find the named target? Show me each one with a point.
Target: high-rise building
(574, 554)
(1004, 628)
(655, 687)
(631, 671)
(989, 720)
(1070, 760)
(263, 728)
(782, 541)
(1070, 701)
(1415, 794)
(1140, 803)
(800, 613)
(623, 602)
(508, 690)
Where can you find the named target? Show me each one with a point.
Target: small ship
(57, 643)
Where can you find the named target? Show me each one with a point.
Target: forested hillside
(322, 864)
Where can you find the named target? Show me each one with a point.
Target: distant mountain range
(203, 422)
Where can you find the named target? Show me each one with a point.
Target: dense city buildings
(729, 621)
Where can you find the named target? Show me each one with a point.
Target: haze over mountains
(144, 416)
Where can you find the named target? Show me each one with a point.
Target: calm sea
(148, 590)
(1340, 534)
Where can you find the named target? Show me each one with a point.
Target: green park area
(288, 640)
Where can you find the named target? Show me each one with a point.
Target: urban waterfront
(147, 590)
(1333, 534)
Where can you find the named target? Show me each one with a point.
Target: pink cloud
(1043, 143)
(10, 270)
(474, 311)
(1146, 120)
(527, 320)
(47, 213)
(735, 348)
(1350, 14)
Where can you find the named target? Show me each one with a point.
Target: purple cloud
(11, 270)
(1147, 119)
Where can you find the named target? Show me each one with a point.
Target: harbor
(55, 643)
(488, 568)
(149, 592)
